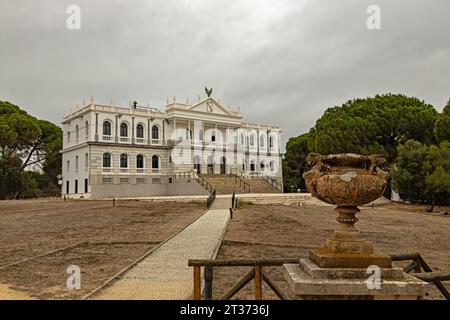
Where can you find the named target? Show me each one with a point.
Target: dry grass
(112, 237)
(285, 231)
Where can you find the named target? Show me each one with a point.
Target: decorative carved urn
(347, 181)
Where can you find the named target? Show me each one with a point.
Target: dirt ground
(258, 231)
(106, 239)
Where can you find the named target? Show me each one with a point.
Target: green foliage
(294, 162)
(408, 172)
(11, 179)
(422, 173)
(373, 125)
(442, 125)
(27, 143)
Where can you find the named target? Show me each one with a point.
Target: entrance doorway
(210, 165)
(197, 165)
(223, 165)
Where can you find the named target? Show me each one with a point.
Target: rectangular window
(106, 180)
(141, 180)
(124, 180)
(86, 185)
(156, 180)
(68, 166)
(76, 186)
(67, 187)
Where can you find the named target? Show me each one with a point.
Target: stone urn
(347, 181)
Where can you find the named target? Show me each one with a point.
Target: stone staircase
(227, 184)
(260, 185)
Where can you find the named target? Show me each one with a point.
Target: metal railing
(205, 184)
(256, 273)
(238, 179)
(211, 199)
(417, 264)
(274, 183)
(233, 201)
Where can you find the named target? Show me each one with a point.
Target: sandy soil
(109, 239)
(289, 232)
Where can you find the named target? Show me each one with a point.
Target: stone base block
(326, 259)
(309, 281)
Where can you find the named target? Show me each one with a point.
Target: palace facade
(111, 151)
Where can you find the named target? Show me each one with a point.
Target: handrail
(255, 273)
(205, 184)
(238, 176)
(233, 201)
(418, 263)
(211, 199)
(273, 182)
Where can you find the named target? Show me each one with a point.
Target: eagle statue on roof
(208, 91)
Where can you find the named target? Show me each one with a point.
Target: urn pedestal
(347, 267)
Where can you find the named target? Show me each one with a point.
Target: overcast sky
(280, 61)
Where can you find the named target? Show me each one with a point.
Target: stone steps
(226, 184)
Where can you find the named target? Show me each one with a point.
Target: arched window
(252, 140)
(270, 142)
(272, 166)
(106, 128)
(68, 136)
(106, 160)
(262, 165)
(76, 162)
(155, 132)
(140, 131)
(262, 142)
(140, 161)
(155, 162)
(252, 166)
(123, 160)
(86, 128)
(213, 136)
(77, 132)
(123, 129)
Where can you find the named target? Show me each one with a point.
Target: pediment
(210, 105)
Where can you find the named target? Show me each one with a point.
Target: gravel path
(164, 274)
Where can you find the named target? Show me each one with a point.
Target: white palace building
(189, 149)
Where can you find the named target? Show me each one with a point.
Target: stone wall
(178, 187)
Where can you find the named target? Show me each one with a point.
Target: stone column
(116, 139)
(96, 126)
(163, 132)
(149, 132)
(132, 130)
